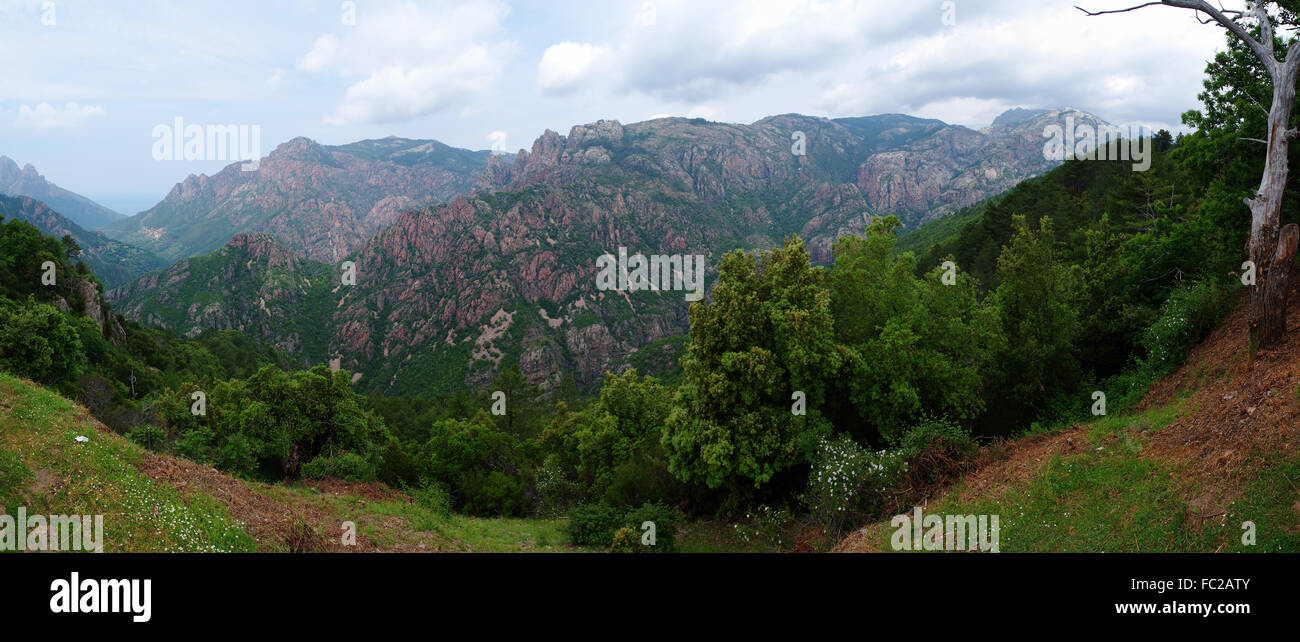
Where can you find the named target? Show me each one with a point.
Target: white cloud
(46, 116)
(406, 60)
(498, 141)
(843, 58)
(566, 66)
(971, 112)
(693, 50)
(276, 79)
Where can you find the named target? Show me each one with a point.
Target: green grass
(1271, 500)
(38, 429)
(711, 536)
(1110, 498)
(1152, 419)
(435, 530)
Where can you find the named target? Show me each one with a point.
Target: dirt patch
(1243, 413)
(370, 491)
(44, 482)
(275, 524)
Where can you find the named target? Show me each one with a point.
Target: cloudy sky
(84, 83)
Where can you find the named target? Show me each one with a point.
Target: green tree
(39, 342)
(916, 344)
(1039, 300)
(766, 335)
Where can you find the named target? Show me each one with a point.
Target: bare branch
(1102, 13)
(1264, 52)
(1265, 28)
(1254, 140)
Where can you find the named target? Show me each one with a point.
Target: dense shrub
(40, 343)
(665, 519)
(626, 541)
(434, 497)
(481, 466)
(494, 493)
(1187, 316)
(594, 524)
(347, 466)
(933, 450)
(849, 482)
(398, 469)
(556, 493)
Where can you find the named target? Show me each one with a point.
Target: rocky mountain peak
(264, 247)
(608, 132)
(301, 149)
(1017, 116)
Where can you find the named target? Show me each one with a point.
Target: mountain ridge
(318, 199)
(448, 294)
(30, 183)
(115, 262)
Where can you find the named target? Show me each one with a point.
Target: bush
(1189, 314)
(765, 525)
(626, 541)
(594, 524)
(494, 494)
(932, 451)
(556, 493)
(347, 466)
(434, 497)
(848, 482)
(146, 435)
(935, 433)
(399, 469)
(665, 521)
(40, 343)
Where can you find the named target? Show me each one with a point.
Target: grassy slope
(154, 503)
(1215, 444)
(49, 472)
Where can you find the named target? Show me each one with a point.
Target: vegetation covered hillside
(161, 504)
(1213, 446)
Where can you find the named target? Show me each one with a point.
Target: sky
(85, 84)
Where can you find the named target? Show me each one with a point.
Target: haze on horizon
(479, 73)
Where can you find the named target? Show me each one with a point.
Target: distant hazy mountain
(114, 262)
(28, 182)
(449, 294)
(320, 200)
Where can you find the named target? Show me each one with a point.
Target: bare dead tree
(1271, 247)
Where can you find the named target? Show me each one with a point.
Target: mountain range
(447, 294)
(115, 263)
(75, 207)
(320, 200)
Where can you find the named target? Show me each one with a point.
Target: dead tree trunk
(1271, 248)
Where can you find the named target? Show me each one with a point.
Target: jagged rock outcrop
(321, 200)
